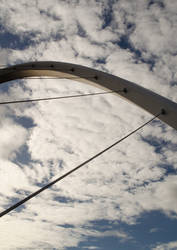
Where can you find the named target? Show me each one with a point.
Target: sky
(127, 198)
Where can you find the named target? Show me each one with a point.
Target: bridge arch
(144, 98)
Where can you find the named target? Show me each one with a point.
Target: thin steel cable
(60, 97)
(6, 211)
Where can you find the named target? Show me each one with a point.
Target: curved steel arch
(144, 98)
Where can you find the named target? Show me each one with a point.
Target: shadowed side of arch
(142, 97)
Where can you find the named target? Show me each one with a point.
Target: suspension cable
(61, 97)
(6, 211)
(58, 97)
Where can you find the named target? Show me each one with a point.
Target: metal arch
(144, 98)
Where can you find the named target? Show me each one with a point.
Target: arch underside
(144, 98)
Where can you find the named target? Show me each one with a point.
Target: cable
(60, 97)
(6, 211)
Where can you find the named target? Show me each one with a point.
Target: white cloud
(91, 247)
(12, 137)
(166, 246)
(154, 230)
(121, 184)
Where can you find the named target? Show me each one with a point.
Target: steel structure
(144, 98)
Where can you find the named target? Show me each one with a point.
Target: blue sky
(127, 198)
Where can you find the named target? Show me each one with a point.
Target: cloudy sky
(127, 198)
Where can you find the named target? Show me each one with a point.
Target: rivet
(125, 90)
(163, 112)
